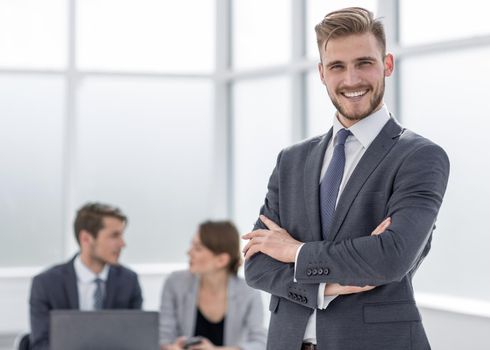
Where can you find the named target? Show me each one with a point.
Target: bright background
(175, 111)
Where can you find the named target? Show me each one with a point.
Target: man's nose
(352, 77)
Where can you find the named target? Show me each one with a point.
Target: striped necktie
(330, 184)
(98, 294)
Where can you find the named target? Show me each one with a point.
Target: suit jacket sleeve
(418, 189)
(39, 315)
(267, 274)
(255, 337)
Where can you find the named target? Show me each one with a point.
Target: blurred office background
(175, 111)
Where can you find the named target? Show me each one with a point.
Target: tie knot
(98, 281)
(342, 135)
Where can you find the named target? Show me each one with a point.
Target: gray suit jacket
(56, 289)
(401, 175)
(244, 317)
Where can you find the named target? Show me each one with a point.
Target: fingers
(355, 289)
(251, 251)
(332, 289)
(271, 225)
(255, 234)
(338, 289)
(179, 342)
(382, 227)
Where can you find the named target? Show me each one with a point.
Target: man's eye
(366, 63)
(336, 67)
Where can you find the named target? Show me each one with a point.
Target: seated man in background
(92, 280)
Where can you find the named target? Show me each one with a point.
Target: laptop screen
(103, 330)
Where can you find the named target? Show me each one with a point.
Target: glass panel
(255, 41)
(438, 20)
(452, 110)
(320, 108)
(146, 35)
(31, 145)
(33, 33)
(316, 11)
(146, 146)
(261, 128)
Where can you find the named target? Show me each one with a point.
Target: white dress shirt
(86, 283)
(363, 133)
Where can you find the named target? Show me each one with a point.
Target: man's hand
(381, 227)
(275, 242)
(332, 289)
(337, 289)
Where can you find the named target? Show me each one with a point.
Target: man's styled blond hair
(348, 21)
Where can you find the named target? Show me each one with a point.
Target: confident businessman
(349, 215)
(92, 280)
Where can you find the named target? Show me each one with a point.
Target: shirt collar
(85, 275)
(365, 130)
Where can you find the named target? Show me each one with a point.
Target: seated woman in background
(209, 300)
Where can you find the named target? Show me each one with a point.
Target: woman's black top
(213, 331)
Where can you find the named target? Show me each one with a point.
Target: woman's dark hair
(222, 237)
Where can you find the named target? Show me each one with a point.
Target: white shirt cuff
(296, 261)
(323, 300)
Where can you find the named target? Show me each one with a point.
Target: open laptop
(103, 330)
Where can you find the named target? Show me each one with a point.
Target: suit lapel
(231, 314)
(70, 285)
(375, 153)
(313, 167)
(110, 288)
(190, 308)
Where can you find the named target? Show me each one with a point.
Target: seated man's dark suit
(57, 288)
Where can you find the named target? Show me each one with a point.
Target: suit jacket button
(308, 272)
(290, 294)
(305, 300)
(326, 271)
(320, 271)
(315, 272)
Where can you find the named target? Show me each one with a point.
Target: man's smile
(354, 94)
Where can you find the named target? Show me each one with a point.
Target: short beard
(374, 103)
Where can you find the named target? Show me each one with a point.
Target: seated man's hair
(90, 218)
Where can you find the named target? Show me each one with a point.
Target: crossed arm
(277, 243)
(418, 187)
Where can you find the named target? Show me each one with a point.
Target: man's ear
(321, 72)
(85, 237)
(389, 63)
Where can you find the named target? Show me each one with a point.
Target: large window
(33, 34)
(443, 65)
(146, 35)
(142, 145)
(262, 127)
(453, 118)
(426, 22)
(105, 101)
(261, 33)
(31, 148)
